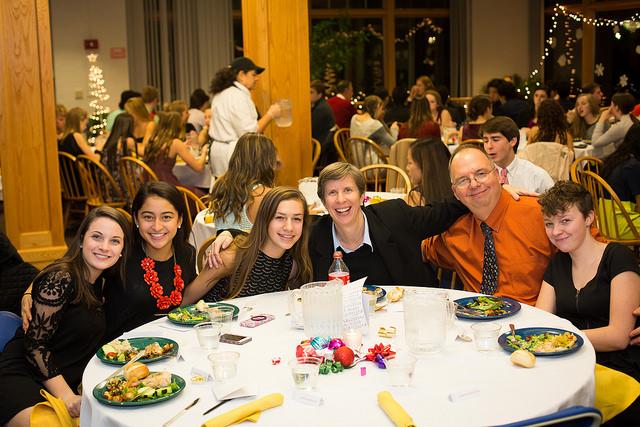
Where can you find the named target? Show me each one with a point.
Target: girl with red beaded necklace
(161, 263)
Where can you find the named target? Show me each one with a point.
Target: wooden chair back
(74, 198)
(340, 141)
(126, 214)
(99, 186)
(363, 152)
(134, 172)
(582, 164)
(192, 202)
(378, 178)
(317, 148)
(612, 218)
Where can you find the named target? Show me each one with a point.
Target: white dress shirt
(233, 114)
(523, 174)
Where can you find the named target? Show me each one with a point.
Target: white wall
(73, 21)
(500, 32)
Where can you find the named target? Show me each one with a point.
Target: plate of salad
(121, 351)
(541, 341)
(197, 313)
(155, 388)
(486, 308)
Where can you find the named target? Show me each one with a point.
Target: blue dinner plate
(525, 332)
(464, 312)
(373, 288)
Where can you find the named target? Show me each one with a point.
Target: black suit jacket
(396, 231)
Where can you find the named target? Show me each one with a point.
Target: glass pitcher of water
(425, 321)
(321, 308)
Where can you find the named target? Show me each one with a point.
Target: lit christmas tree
(98, 96)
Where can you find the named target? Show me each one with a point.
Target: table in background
(204, 226)
(189, 177)
(507, 393)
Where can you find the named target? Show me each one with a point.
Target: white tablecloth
(188, 176)
(507, 393)
(203, 227)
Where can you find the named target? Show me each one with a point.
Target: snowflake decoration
(624, 80)
(599, 71)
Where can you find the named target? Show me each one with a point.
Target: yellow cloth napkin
(52, 413)
(249, 412)
(615, 391)
(394, 411)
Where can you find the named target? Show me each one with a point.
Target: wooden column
(389, 44)
(588, 49)
(276, 36)
(28, 147)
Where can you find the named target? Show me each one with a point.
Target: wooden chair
(612, 218)
(340, 140)
(584, 163)
(134, 173)
(317, 148)
(442, 274)
(99, 186)
(378, 178)
(192, 202)
(398, 156)
(73, 196)
(126, 214)
(363, 152)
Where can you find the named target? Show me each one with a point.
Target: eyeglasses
(480, 176)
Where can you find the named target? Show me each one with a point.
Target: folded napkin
(250, 411)
(615, 391)
(52, 413)
(394, 411)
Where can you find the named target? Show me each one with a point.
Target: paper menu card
(353, 316)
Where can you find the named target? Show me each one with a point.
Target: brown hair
(429, 155)
(504, 125)
(248, 247)
(426, 81)
(318, 86)
(168, 129)
(579, 126)
(252, 164)
(562, 196)
(336, 171)
(419, 113)
(135, 106)
(73, 120)
(551, 123)
(150, 94)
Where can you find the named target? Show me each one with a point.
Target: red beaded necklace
(151, 278)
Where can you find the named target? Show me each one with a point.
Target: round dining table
(457, 386)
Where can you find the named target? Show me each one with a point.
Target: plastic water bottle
(338, 269)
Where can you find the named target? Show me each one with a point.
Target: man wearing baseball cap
(233, 112)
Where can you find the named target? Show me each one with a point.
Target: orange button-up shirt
(522, 248)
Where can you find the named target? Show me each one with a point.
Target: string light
(99, 95)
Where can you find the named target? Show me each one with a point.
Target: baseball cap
(245, 64)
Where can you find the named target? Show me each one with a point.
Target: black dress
(589, 307)
(61, 339)
(130, 306)
(69, 145)
(267, 275)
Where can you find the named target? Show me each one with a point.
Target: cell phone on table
(257, 320)
(234, 339)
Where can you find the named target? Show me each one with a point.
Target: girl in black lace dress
(273, 257)
(67, 320)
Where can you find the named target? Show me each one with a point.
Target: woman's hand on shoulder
(25, 310)
(213, 258)
(517, 192)
(635, 334)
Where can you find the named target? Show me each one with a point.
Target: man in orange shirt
(500, 247)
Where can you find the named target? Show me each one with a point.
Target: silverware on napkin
(179, 414)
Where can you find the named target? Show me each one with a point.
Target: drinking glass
(400, 369)
(221, 314)
(425, 321)
(485, 335)
(224, 364)
(208, 334)
(286, 118)
(305, 371)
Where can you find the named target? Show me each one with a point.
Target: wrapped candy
(379, 353)
(319, 343)
(305, 349)
(335, 343)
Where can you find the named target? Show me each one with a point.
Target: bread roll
(136, 370)
(523, 358)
